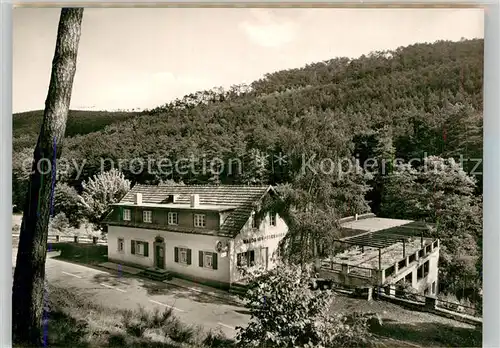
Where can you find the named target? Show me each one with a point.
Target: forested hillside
(26, 125)
(425, 99)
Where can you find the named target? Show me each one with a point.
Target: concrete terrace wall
(413, 267)
(195, 242)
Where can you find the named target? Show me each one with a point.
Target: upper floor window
(199, 220)
(255, 223)
(147, 216)
(272, 219)
(173, 218)
(126, 214)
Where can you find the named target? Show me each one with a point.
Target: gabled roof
(241, 199)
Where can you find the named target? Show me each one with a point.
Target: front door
(160, 256)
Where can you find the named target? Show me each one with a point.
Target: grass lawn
(89, 254)
(411, 327)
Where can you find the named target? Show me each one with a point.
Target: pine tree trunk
(29, 275)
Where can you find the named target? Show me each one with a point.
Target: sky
(145, 57)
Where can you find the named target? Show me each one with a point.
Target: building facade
(201, 233)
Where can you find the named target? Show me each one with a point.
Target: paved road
(119, 291)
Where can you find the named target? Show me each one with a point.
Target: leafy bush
(59, 223)
(67, 201)
(286, 313)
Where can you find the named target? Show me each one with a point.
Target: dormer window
(126, 215)
(199, 220)
(173, 218)
(171, 199)
(147, 216)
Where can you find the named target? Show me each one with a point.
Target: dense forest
(419, 102)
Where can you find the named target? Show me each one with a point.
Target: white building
(201, 233)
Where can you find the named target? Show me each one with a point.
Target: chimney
(195, 200)
(138, 198)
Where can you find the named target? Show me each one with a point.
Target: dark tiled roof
(242, 197)
(231, 195)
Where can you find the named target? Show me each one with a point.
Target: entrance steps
(238, 289)
(157, 274)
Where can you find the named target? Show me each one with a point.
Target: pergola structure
(384, 238)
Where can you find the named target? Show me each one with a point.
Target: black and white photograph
(195, 177)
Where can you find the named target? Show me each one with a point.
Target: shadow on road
(159, 288)
(202, 297)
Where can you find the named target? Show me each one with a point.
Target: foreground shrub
(285, 312)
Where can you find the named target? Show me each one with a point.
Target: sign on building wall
(258, 239)
(221, 247)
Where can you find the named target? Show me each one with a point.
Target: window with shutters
(207, 262)
(182, 255)
(173, 218)
(126, 214)
(208, 259)
(199, 220)
(147, 216)
(139, 248)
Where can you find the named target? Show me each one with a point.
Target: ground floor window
(139, 248)
(182, 255)
(207, 259)
(120, 244)
(246, 259)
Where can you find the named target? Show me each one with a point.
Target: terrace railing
(338, 267)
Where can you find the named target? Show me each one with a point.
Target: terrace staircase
(157, 274)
